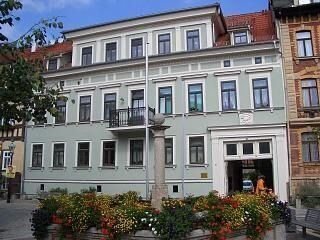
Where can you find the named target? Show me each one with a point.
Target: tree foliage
(24, 95)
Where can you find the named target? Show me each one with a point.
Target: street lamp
(12, 146)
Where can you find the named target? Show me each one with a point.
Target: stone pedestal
(160, 189)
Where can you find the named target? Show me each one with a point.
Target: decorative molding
(111, 85)
(131, 83)
(246, 118)
(193, 76)
(84, 89)
(255, 70)
(167, 79)
(224, 73)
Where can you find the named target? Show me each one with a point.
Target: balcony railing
(127, 117)
(309, 112)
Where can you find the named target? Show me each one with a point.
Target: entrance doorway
(242, 175)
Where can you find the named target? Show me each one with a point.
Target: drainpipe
(24, 157)
(286, 102)
(147, 121)
(183, 140)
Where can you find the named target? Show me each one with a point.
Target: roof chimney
(34, 47)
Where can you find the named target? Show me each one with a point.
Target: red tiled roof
(51, 50)
(260, 24)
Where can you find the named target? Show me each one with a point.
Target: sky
(79, 13)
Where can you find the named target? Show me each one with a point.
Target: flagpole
(147, 122)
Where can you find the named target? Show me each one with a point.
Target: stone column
(160, 189)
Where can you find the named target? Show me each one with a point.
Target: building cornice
(153, 60)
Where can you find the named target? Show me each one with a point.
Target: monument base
(158, 193)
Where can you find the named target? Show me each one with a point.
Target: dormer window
(52, 64)
(240, 38)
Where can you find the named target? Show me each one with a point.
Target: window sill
(57, 168)
(195, 113)
(196, 166)
(108, 167)
(135, 167)
(36, 168)
(310, 164)
(82, 168)
(174, 166)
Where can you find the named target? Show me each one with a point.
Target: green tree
(24, 95)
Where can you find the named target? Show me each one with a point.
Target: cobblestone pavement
(15, 225)
(14, 219)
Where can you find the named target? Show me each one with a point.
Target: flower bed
(91, 216)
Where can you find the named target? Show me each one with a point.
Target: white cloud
(41, 6)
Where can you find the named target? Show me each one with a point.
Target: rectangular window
(264, 147)
(86, 58)
(137, 98)
(247, 148)
(164, 44)
(58, 155)
(136, 48)
(110, 100)
(165, 100)
(169, 151)
(83, 154)
(111, 52)
(61, 111)
(196, 150)
(53, 64)
(240, 38)
(37, 150)
(304, 44)
(195, 98)
(136, 152)
(228, 95)
(258, 60)
(193, 40)
(109, 154)
(260, 93)
(6, 159)
(227, 63)
(85, 109)
(310, 93)
(310, 147)
(232, 149)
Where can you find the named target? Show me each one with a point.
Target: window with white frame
(196, 150)
(85, 108)
(136, 152)
(195, 97)
(61, 107)
(164, 46)
(6, 159)
(169, 151)
(83, 159)
(86, 57)
(226, 63)
(136, 48)
(165, 100)
(310, 93)
(53, 64)
(58, 155)
(258, 60)
(193, 40)
(310, 147)
(248, 150)
(304, 44)
(111, 52)
(37, 152)
(109, 154)
(240, 37)
(110, 100)
(260, 93)
(228, 95)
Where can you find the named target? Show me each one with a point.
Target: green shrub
(40, 220)
(309, 194)
(90, 190)
(58, 190)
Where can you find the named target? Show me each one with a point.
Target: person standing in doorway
(261, 187)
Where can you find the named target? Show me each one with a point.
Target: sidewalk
(14, 220)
